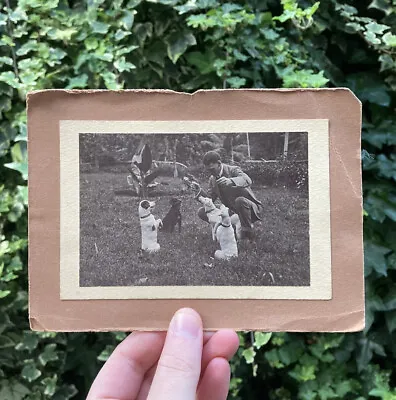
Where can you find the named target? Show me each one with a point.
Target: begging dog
(173, 216)
(214, 216)
(226, 237)
(149, 226)
(212, 212)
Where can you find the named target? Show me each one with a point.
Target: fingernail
(186, 324)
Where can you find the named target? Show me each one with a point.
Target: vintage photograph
(194, 209)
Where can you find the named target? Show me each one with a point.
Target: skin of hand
(182, 364)
(223, 181)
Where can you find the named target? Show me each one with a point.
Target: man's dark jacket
(228, 194)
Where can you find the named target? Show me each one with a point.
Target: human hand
(196, 187)
(183, 365)
(191, 184)
(223, 181)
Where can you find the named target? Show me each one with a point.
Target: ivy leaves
(379, 36)
(107, 32)
(378, 138)
(187, 45)
(302, 18)
(305, 78)
(178, 43)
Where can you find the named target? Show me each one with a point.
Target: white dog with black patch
(149, 226)
(226, 237)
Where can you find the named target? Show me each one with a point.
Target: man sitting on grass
(231, 186)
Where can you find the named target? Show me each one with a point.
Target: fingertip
(225, 342)
(220, 366)
(233, 341)
(186, 322)
(190, 311)
(136, 336)
(207, 335)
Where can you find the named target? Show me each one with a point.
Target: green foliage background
(186, 46)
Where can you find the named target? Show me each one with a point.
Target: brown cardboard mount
(343, 311)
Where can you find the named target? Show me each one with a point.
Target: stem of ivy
(56, 72)
(10, 32)
(252, 338)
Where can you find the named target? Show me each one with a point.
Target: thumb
(179, 366)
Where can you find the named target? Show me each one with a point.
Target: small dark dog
(173, 217)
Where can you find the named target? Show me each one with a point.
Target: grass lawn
(110, 240)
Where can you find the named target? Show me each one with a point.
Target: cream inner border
(319, 210)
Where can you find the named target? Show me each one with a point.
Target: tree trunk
(286, 145)
(175, 172)
(248, 145)
(232, 149)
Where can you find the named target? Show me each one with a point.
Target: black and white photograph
(213, 209)
(195, 209)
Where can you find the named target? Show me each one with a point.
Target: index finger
(122, 375)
